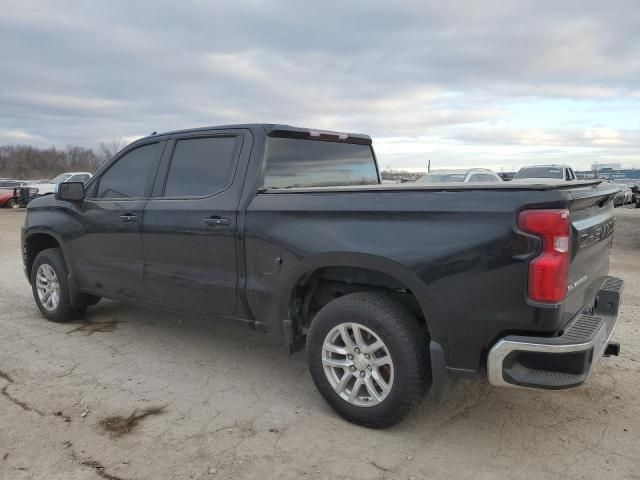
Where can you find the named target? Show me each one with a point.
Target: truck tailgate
(593, 221)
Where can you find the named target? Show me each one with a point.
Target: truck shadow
(246, 373)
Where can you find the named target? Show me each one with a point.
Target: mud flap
(292, 340)
(440, 382)
(76, 298)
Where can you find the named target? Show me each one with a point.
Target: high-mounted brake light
(549, 271)
(332, 135)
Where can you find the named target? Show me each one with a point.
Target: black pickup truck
(394, 289)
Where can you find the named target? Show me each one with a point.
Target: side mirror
(71, 192)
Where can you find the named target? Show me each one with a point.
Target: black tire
(63, 312)
(403, 335)
(13, 203)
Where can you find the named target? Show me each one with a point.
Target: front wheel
(50, 288)
(367, 357)
(13, 203)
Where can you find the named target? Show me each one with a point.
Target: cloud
(450, 73)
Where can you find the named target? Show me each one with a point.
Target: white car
(460, 176)
(52, 185)
(624, 196)
(553, 173)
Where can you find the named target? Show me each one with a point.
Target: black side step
(608, 298)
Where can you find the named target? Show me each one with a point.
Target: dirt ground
(138, 394)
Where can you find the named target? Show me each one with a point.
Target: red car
(8, 199)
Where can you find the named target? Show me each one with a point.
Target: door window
(201, 166)
(127, 178)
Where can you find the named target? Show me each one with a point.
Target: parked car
(562, 173)
(52, 186)
(7, 183)
(623, 196)
(460, 175)
(394, 289)
(7, 198)
(23, 195)
(635, 191)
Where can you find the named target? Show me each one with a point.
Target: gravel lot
(134, 394)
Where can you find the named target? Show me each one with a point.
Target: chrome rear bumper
(558, 362)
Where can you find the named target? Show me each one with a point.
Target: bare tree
(107, 150)
(27, 162)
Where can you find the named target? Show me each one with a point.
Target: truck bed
(413, 186)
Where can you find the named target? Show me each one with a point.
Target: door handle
(216, 221)
(128, 218)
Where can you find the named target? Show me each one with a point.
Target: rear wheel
(367, 357)
(13, 203)
(50, 288)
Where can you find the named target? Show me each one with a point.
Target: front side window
(299, 163)
(201, 166)
(127, 178)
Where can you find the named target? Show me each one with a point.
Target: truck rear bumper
(564, 361)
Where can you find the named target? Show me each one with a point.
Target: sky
(490, 83)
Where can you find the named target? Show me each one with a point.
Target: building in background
(598, 167)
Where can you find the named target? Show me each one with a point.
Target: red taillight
(549, 271)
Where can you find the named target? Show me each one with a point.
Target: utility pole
(429, 166)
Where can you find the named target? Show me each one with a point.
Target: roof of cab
(268, 128)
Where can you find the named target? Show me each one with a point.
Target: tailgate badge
(577, 283)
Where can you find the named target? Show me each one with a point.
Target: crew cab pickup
(394, 289)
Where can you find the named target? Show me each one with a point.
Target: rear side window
(201, 166)
(295, 163)
(128, 176)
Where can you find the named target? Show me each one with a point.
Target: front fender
(46, 217)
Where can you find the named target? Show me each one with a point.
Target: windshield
(299, 163)
(61, 178)
(540, 172)
(442, 178)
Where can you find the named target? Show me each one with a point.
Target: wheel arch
(359, 272)
(35, 242)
